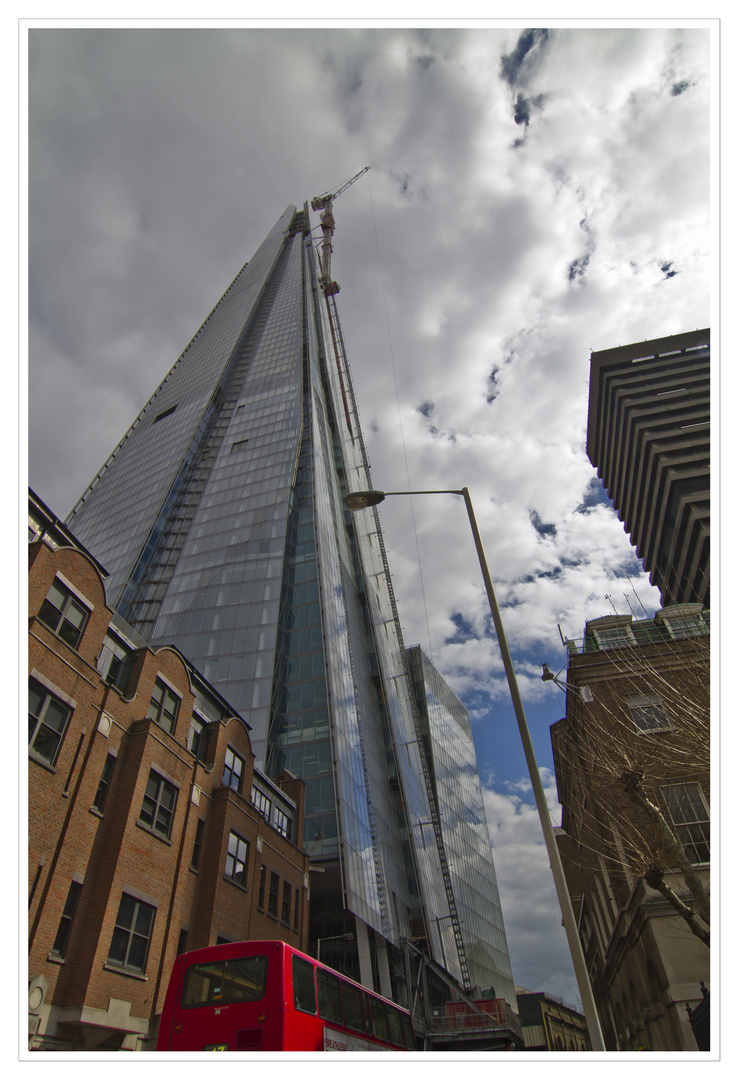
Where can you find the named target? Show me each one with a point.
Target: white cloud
(536, 939)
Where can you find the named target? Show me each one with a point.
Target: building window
(62, 612)
(615, 637)
(282, 822)
(197, 737)
(102, 791)
(286, 901)
(47, 722)
(689, 812)
(182, 942)
(198, 843)
(157, 810)
(59, 948)
(274, 888)
(132, 934)
(236, 859)
(233, 770)
(686, 626)
(261, 802)
(648, 713)
(164, 706)
(115, 662)
(262, 883)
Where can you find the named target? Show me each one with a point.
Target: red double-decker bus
(265, 995)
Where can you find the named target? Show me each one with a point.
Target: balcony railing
(639, 634)
(463, 1021)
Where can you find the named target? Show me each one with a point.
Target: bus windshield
(225, 982)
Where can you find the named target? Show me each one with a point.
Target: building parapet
(623, 631)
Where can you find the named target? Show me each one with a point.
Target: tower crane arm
(320, 201)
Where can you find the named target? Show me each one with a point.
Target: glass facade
(447, 740)
(221, 521)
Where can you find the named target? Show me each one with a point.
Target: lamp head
(547, 674)
(360, 500)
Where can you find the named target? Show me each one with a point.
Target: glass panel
(378, 1018)
(304, 987)
(394, 1026)
(352, 1001)
(329, 996)
(225, 982)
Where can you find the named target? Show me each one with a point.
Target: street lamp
(359, 500)
(349, 936)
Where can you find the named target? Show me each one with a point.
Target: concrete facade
(649, 438)
(143, 841)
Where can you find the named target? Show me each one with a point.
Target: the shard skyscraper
(221, 521)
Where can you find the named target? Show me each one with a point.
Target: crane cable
(400, 416)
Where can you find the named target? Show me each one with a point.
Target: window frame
(239, 866)
(287, 901)
(644, 703)
(197, 736)
(229, 768)
(116, 660)
(703, 825)
(103, 787)
(164, 786)
(197, 844)
(157, 709)
(70, 598)
(47, 698)
(131, 932)
(59, 948)
(273, 895)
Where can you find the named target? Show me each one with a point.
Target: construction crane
(330, 289)
(325, 203)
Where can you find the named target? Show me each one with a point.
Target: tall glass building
(220, 518)
(450, 753)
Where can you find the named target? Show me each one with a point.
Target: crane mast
(325, 204)
(329, 288)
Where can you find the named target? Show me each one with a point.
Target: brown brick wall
(112, 852)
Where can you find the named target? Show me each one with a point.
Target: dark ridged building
(649, 438)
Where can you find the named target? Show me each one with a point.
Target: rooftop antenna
(626, 598)
(636, 594)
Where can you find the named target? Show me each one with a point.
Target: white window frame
(648, 701)
(683, 828)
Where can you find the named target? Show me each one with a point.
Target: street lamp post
(349, 936)
(359, 500)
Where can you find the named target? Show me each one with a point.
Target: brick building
(549, 1024)
(150, 830)
(631, 758)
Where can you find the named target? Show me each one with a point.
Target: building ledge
(116, 1017)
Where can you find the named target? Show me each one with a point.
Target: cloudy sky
(534, 194)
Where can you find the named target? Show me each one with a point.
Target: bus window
(393, 1023)
(304, 985)
(224, 982)
(378, 1019)
(408, 1037)
(329, 996)
(352, 999)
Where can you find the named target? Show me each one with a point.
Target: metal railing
(637, 634)
(467, 1022)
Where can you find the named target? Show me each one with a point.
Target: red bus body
(265, 995)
